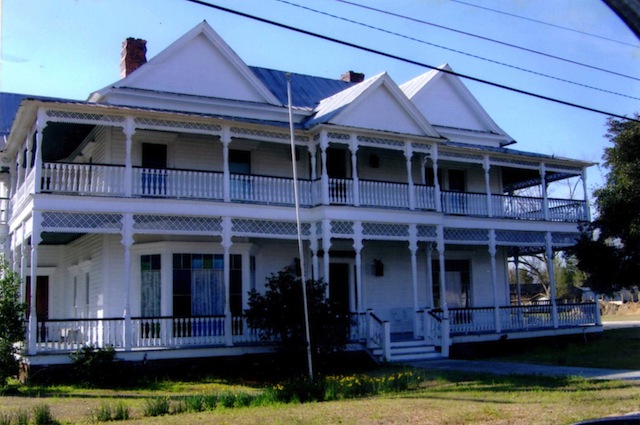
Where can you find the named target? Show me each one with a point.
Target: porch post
(326, 246)
(543, 182)
(486, 164)
(430, 275)
(587, 212)
(413, 248)
(552, 279)
(313, 245)
(443, 293)
(436, 182)
(226, 175)
(37, 145)
(324, 178)
(226, 245)
(516, 262)
(312, 159)
(494, 278)
(128, 130)
(408, 154)
(358, 246)
(353, 147)
(127, 241)
(36, 238)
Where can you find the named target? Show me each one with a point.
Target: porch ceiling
(519, 178)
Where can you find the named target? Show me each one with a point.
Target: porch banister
(128, 130)
(494, 279)
(596, 305)
(486, 164)
(353, 146)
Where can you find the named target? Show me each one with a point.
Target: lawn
(439, 397)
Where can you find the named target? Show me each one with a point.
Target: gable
(380, 111)
(443, 104)
(200, 63)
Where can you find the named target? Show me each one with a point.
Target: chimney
(133, 56)
(352, 77)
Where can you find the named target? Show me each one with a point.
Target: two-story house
(142, 217)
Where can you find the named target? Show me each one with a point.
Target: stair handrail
(379, 333)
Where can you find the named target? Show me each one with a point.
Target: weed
(22, 417)
(42, 415)
(157, 406)
(195, 403)
(110, 412)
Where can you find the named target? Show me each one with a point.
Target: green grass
(614, 349)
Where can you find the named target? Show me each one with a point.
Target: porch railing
(109, 180)
(481, 320)
(67, 335)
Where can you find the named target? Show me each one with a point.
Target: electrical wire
(545, 23)
(503, 43)
(409, 61)
(518, 68)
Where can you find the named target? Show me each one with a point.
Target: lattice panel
(180, 125)
(180, 224)
(427, 231)
(380, 141)
(319, 229)
(466, 157)
(342, 228)
(561, 238)
(80, 222)
(84, 116)
(512, 162)
(385, 229)
(472, 235)
(339, 136)
(263, 134)
(268, 228)
(422, 146)
(509, 237)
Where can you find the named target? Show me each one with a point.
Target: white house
(141, 217)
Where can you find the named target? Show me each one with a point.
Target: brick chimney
(133, 56)
(352, 77)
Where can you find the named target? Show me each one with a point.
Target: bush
(111, 412)
(279, 315)
(12, 315)
(94, 366)
(157, 406)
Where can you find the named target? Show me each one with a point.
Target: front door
(339, 287)
(42, 302)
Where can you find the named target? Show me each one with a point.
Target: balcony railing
(109, 180)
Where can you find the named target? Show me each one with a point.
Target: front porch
(166, 336)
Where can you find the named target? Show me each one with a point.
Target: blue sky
(70, 48)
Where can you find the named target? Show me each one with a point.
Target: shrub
(94, 366)
(111, 412)
(42, 415)
(157, 406)
(12, 315)
(195, 403)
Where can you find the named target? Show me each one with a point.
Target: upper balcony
(111, 181)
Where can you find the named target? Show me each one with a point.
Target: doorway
(339, 278)
(42, 303)
(154, 164)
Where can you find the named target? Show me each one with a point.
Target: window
(150, 285)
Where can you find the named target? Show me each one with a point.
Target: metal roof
(9, 104)
(306, 90)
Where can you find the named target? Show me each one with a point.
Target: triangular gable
(199, 63)
(376, 104)
(445, 101)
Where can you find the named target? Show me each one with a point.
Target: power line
(409, 61)
(519, 68)
(545, 23)
(503, 43)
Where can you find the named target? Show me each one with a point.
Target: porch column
(486, 164)
(353, 147)
(128, 130)
(443, 293)
(312, 159)
(315, 271)
(494, 279)
(226, 245)
(358, 245)
(543, 182)
(324, 177)
(20, 170)
(127, 241)
(408, 154)
(23, 263)
(552, 280)
(436, 182)
(326, 246)
(413, 248)
(430, 276)
(516, 262)
(41, 123)
(226, 175)
(36, 238)
(587, 208)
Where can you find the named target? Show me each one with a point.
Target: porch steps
(412, 350)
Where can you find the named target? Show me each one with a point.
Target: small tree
(279, 314)
(12, 325)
